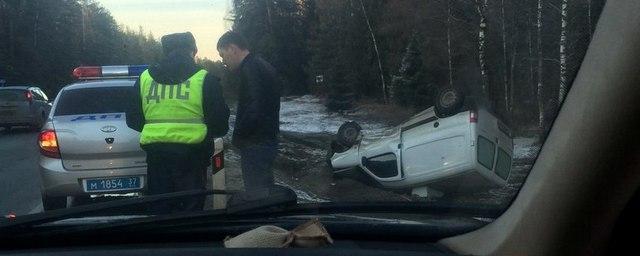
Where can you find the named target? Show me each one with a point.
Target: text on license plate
(113, 184)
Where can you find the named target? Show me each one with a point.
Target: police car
(86, 147)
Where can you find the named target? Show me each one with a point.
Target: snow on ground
(307, 114)
(525, 147)
(303, 196)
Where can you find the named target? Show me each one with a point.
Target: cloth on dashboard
(310, 234)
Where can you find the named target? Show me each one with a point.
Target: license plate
(113, 184)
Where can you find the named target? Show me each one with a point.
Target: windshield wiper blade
(270, 199)
(80, 211)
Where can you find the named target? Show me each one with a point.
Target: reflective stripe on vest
(173, 113)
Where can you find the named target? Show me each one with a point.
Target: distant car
(428, 154)
(23, 106)
(86, 146)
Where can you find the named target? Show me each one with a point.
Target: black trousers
(256, 161)
(173, 168)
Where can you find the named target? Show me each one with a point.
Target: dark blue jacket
(258, 111)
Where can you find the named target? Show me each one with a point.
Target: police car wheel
(449, 101)
(54, 202)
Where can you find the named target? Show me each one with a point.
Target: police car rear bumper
(56, 181)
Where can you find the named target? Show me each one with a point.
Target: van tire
(54, 202)
(348, 134)
(449, 101)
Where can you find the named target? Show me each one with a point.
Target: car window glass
(43, 95)
(486, 152)
(383, 166)
(359, 101)
(503, 164)
(37, 95)
(95, 100)
(12, 95)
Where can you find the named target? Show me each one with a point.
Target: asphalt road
(19, 176)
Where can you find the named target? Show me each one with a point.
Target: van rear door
(494, 144)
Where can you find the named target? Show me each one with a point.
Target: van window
(384, 166)
(486, 152)
(503, 164)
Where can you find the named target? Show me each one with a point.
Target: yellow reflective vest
(173, 112)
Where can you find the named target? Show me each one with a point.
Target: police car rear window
(95, 100)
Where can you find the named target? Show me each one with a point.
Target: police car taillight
(48, 142)
(217, 161)
(102, 72)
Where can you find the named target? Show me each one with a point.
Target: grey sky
(203, 18)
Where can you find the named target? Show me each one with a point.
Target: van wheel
(449, 101)
(54, 202)
(348, 134)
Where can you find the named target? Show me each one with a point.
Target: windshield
(408, 102)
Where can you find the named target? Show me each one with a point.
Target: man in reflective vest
(179, 111)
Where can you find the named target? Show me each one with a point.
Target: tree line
(42, 41)
(521, 55)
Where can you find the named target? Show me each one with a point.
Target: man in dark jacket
(178, 126)
(258, 113)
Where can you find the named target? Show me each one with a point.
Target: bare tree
(505, 79)
(375, 48)
(481, 6)
(35, 29)
(449, 43)
(540, 60)
(563, 54)
(530, 56)
(269, 18)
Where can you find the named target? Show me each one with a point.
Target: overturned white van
(430, 155)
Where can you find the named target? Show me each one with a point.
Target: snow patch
(525, 147)
(307, 114)
(304, 196)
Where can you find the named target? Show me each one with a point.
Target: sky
(203, 18)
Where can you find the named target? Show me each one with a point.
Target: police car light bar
(102, 72)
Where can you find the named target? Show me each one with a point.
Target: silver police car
(86, 147)
(23, 106)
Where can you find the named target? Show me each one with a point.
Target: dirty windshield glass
(315, 101)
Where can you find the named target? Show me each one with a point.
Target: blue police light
(102, 72)
(136, 70)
